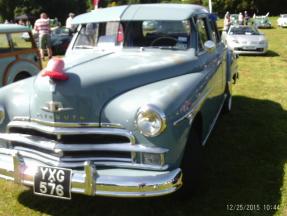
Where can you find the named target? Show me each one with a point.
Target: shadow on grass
(245, 156)
(269, 53)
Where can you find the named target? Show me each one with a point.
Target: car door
(213, 74)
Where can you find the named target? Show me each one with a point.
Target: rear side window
(4, 44)
(20, 42)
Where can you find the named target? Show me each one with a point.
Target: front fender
(14, 98)
(173, 96)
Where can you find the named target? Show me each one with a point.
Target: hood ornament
(55, 70)
(55, 106)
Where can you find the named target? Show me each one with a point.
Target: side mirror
(209, 46)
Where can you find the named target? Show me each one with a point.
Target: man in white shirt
(69, 22)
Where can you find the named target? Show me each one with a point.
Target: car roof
(8, 28)
(172, 12)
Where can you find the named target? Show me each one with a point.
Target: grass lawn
(245, 157)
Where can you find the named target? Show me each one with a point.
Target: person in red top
(42, 27)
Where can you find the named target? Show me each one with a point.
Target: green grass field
(245, 157)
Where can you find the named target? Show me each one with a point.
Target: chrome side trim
(90, 181)
(214, 121)
(195, 108)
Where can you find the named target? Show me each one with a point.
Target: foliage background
(9, 9)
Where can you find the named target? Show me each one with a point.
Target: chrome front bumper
(90, 181)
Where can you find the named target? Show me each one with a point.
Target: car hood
(100, 77)
(246, 38)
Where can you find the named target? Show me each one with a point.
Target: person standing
(69, 24)
(240, 19)
(42, 27)
(226, 24)
(246, 18)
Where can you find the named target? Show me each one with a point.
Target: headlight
(150, 121)
(262, 42)
(235, 41)
(2, 114)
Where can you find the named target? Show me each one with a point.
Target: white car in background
(246, 40)
(282, 20)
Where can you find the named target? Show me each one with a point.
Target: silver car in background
(246, 40)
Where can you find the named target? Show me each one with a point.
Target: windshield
(243, 30)
(149, 33)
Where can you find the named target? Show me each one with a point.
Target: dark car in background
(60, 39)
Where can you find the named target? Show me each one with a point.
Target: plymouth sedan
(19, 58)
(126, 112)
(246, 40)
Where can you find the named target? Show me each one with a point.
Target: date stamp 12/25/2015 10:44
(252, 207)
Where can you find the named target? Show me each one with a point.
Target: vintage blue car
(126, 112)
(19, 58)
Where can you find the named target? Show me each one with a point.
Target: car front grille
(71, 147)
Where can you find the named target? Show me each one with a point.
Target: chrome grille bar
(71, 131)
(34, 141)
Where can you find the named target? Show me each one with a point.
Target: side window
(104, 35)
(215, 33)
(19, 42)
(4, 44)
(88, 35)
(203, 35)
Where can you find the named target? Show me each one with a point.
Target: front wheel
(192, 165)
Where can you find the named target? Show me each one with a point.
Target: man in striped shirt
(42, 26)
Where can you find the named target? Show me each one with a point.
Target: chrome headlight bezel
(143, 118)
